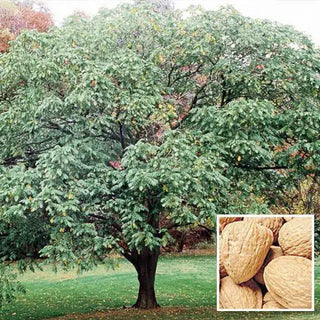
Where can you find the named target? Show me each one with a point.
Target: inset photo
(265, 262)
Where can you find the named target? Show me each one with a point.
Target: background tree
(117, 129)
(16, 16)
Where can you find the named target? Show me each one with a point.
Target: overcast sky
(303, 14)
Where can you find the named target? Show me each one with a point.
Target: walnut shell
(267, 297)
(245, 245)
(222, 270)
(269, 303)
(274, 224)
(273, 253)
(247, 295)
(223, 221)
(289, 281)
(295, 237)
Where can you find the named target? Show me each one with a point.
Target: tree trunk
(181, 241)
(146, 265)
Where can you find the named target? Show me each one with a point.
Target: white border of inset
(262, 216)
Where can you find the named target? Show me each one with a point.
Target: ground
(185, 288)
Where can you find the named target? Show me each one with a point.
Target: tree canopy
(16, 16)
(118, 128)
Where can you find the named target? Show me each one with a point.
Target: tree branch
(27, 157)
(185, 75)
(122, 129)
(204, 227)
(262, 168)
(170, 74)
(193, 104)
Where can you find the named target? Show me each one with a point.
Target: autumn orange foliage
(15, 18)
(5, 37)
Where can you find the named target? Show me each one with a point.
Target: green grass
(185, 289)
(181, 281)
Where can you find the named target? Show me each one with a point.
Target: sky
(303, 14)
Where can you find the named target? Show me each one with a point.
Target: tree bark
(181, 241)
(146, 265)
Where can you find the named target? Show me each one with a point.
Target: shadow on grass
(177, 313)
(180, 313)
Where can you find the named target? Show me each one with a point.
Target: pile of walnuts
(265, 263)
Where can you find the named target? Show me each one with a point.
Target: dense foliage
(117, 129)
(16, 16)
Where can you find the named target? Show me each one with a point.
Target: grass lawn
(186, 281)
(185, 289)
